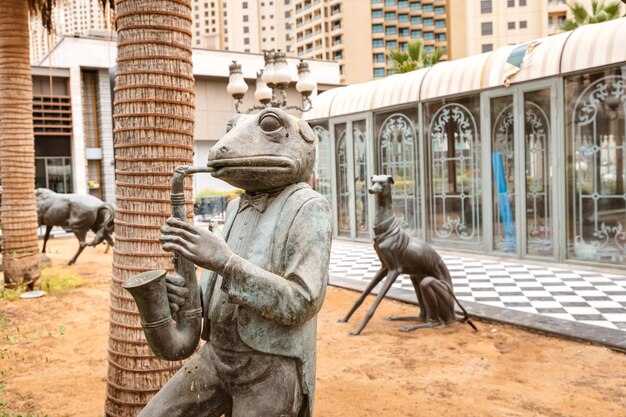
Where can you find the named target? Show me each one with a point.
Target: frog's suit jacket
(281, 289)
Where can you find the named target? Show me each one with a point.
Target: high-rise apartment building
(243, 26)
(207, 24)
(335, 30)
(491, 24)
(394, 23)
(255, 25)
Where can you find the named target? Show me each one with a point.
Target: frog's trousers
(214, 383)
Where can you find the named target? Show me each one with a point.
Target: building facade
(335, 30)
(255, 25)
(534, 168)
(491, 24)
(397, 22)
(72, 109)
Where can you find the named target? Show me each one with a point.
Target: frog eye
(270, 122)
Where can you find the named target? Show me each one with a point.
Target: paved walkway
(562, 299)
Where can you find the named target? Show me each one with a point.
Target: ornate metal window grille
(598, 188)
(397, 144)
(538, 175)
(455, 179)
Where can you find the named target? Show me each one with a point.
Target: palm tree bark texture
(20, 249)
(154, 126)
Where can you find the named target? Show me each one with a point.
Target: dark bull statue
(78, 212)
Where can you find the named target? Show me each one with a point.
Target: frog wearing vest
(265, 279)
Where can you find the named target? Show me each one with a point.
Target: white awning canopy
(595, 45)
(399, 89)
(454, 77)
(321, 104)
(354, 98)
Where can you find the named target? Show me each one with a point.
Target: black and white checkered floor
(593, 298)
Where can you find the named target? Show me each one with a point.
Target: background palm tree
(414, 57)
(20, 249)
(154, 127)
(600, 12)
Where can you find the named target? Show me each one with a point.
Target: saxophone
(169, 341)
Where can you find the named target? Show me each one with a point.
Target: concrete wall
(105, 119)
(79, 162)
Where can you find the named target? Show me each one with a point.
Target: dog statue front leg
(391, 278)
(382, 272)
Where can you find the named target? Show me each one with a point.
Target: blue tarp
(506, 214)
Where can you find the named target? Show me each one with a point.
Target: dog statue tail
(466, 318)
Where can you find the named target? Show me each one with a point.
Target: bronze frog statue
(265, 280)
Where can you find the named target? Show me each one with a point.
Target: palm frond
(43, 9)
(397, 56)
(596, 6)
(612, 10)
(435, 56)
(110, 3)
(416, 50)
(568, 25)
(579, 13)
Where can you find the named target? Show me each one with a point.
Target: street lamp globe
(306, 83)
(237, 86)
(263, 93)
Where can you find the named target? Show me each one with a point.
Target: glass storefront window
(322, 176)
(397, 155)
(503, 174)
(343, 183)
(538, 172)
(453, 171)
(54, 173)
(596, 170)
(361, 179)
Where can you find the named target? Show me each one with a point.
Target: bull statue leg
(80, 235)
(46, 237)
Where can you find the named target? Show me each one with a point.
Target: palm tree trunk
(20, 250)
(154, 127)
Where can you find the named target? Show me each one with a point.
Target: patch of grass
(12, 294)
(57, 281)
(53, 281)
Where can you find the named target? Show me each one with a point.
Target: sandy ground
(53, 361)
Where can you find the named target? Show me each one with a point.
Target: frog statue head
(264, 152)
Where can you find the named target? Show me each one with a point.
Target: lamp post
(272, 83)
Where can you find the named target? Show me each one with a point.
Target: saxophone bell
(169, 341)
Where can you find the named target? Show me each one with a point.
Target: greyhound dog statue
(400, 254)
(78, 212)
